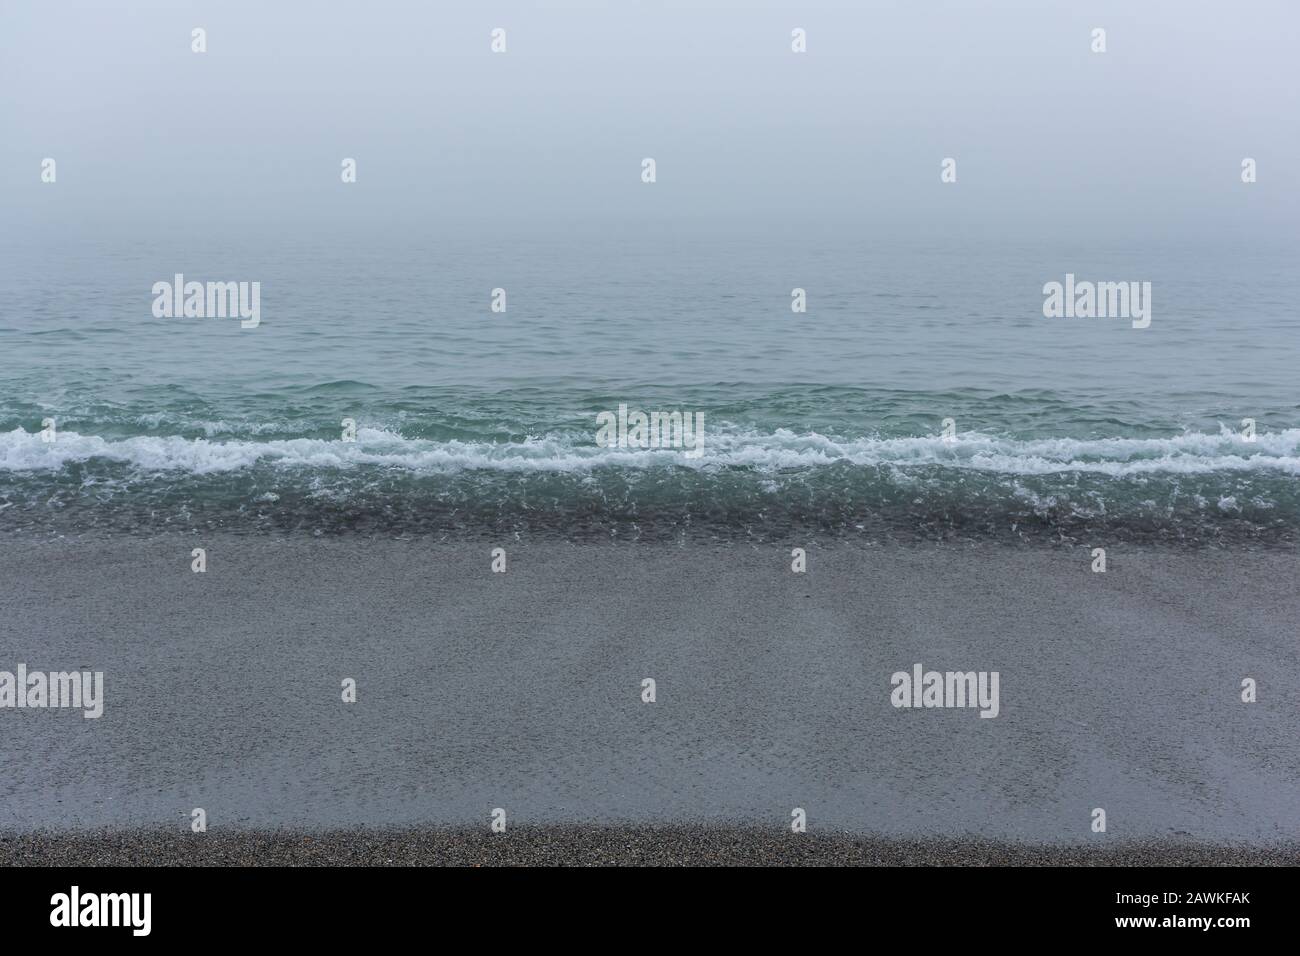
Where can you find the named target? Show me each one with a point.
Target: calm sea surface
(470, 422)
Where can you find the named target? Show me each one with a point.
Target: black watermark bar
(334, 905)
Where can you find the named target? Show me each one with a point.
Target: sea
(921, 394)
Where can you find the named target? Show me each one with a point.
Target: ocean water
(476, 423)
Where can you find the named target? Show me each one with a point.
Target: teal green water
(470, 421)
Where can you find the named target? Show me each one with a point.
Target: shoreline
(1042, 540)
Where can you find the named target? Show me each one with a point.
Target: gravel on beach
(576, 845)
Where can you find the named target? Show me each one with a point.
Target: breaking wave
(1196, 487)
(776, 451)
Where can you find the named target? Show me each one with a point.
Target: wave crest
(726, 448)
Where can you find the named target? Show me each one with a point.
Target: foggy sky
(1145, 140)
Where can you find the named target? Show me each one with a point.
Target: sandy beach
(523, 691)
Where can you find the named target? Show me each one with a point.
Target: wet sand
(522, 691)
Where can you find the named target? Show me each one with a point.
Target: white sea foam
(729, 447)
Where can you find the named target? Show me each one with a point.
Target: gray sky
(1145, 140)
